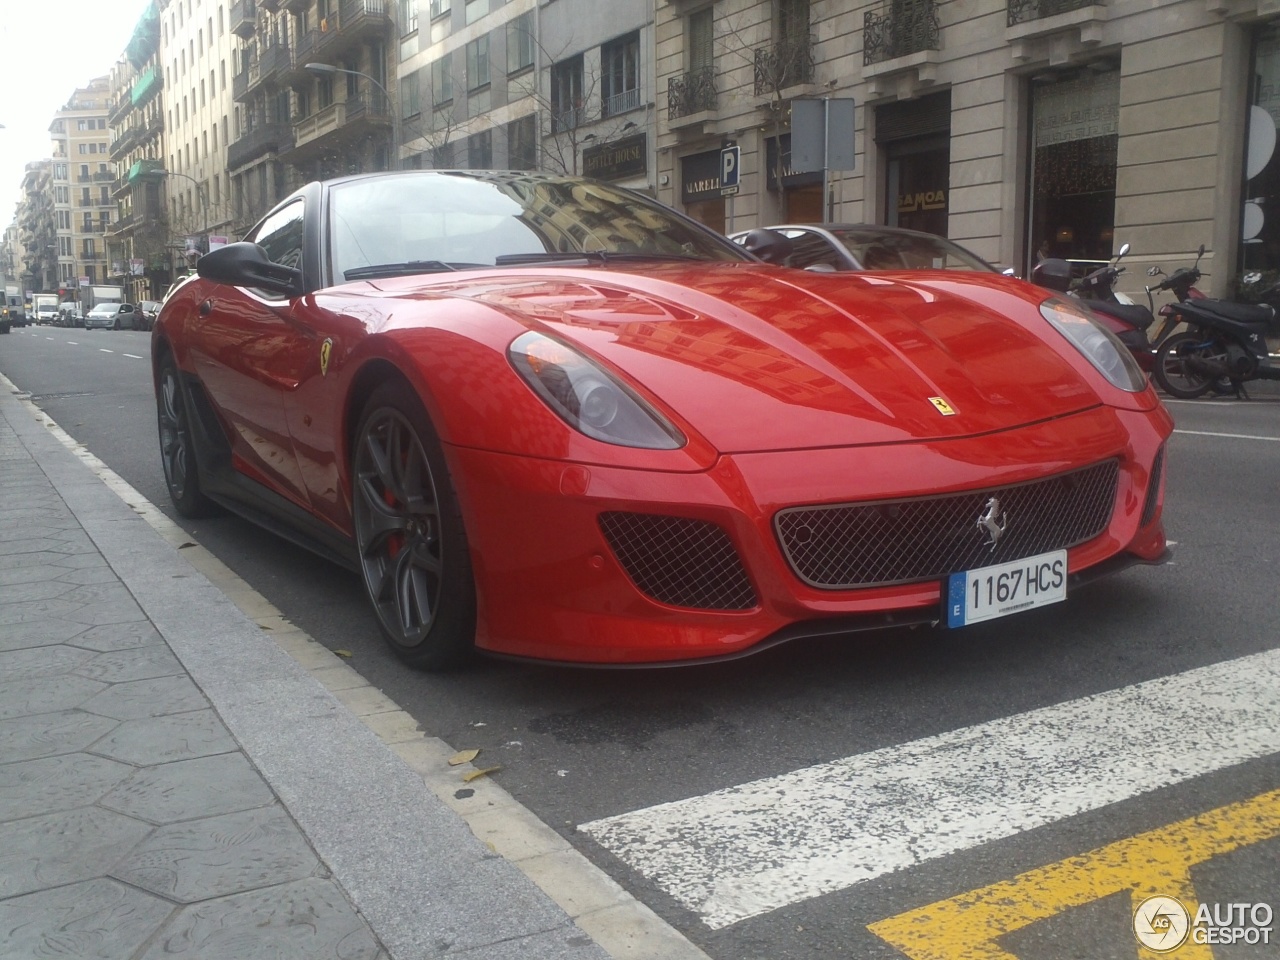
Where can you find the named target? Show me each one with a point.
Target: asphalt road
(579, 747)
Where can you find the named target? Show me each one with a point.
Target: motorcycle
(1127, 320)
(1224, 342)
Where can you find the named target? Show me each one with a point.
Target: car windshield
(885, 250)
(384, 226)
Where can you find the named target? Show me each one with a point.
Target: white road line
(73, 343)
(743, 851)
(105, 350)
(133, 356)
(1229, 436)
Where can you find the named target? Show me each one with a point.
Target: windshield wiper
(398, 269)
(595, 256)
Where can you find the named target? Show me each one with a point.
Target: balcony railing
(240, 85)
(1021, 11)
(620, 103)
(783, 65)
(568, 118)
(691, 93)
(338, 115)
(910, 26)
(104, 176)
(261, 139)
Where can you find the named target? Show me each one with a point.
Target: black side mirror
(769, 245)
(246, 264)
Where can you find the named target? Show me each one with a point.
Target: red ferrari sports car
(548, 418)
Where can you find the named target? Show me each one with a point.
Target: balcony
(104, 176)
(273, 62)
(622, 102)
(1022, 11)
(146, 86)
(296, 6)
(143, 168)
(1061, 28)
(568, 118)
(338, 124)
(691, 94)
(910, 27)
(123, 225)
(117, 110)
(262, 139)
(244, 18)
(788, 63)
(355, 22)
(122, 144)
(240, 86)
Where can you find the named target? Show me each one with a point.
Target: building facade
(197, 66)
(81, 182)
(1003, 124)
(139, 243)
(313, 96)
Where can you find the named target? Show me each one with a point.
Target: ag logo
(1161, 924)
(326, 351)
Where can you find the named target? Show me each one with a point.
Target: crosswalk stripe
(745, 850)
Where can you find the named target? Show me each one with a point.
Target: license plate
(1005, 588)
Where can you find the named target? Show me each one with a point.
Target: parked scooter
(1224, 341)
(1128, 321)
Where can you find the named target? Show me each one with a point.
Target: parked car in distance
(110, 316)
(144, 318)
(862, 246)
(69, 314)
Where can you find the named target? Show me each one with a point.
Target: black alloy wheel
(1184, 363)
(181, 474)
(409, 532)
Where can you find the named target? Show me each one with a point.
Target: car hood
(761, 358)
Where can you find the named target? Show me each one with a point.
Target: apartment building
(197, 61)
(1002, 124)
(313, 96)
(36, 222)
(139, 242)
(80, 185)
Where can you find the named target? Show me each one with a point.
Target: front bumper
(550, 587)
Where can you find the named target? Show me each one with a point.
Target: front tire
(413, 549)
(1177, 361)
(181, 474)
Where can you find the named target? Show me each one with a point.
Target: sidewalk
(175, 783)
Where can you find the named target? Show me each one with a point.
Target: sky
(48, 48)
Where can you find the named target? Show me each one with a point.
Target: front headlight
(589, 398)
(1099, 345)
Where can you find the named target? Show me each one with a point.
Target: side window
(811, 249)
(280, 235)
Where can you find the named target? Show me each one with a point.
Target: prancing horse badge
(944, 408)
(326, 350)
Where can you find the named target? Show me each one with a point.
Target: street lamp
(204, 200)
(328, 68)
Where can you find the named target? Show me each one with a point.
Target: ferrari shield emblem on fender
(326, 350)
(944, 408)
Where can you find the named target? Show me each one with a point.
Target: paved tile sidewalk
(173, 785)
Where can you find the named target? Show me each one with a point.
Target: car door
(248, 351)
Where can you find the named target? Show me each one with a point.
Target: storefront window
(1259, 255)
(1075, 130)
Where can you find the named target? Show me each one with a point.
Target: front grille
(679, 561)
(841, 546)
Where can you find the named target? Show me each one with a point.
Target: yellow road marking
(1150, 864)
